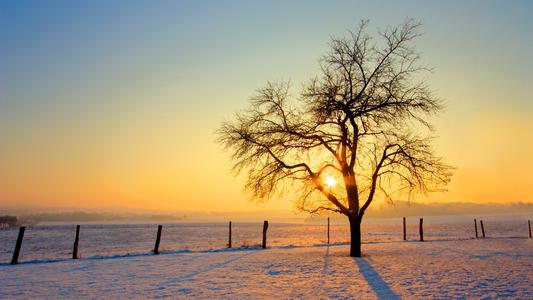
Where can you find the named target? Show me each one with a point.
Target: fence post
(529, 226)
(76, 241)
(421, 229)
(158, 239)
(229, 241)
(265, 227)
(328, 231)
(404, 230)
(16, 253)
(475, 227)
(482, 228)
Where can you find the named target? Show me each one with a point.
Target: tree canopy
(362, 120)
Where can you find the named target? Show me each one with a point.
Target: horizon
(114, 106)
(457, 210)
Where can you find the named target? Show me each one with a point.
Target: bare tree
(363, 121)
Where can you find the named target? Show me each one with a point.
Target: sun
(330, 181)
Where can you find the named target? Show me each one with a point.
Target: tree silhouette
(363, 120)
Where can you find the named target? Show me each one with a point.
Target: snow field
(490, 268)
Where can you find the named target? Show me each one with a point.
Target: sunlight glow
(330, 182)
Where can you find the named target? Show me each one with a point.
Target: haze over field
(112, 108)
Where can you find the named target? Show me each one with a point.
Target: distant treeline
(9, 221)
(80, 216)
(405, 208)
(394, 210)
(400, 209)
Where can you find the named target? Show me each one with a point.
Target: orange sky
(110, 106)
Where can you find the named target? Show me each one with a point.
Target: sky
(114, 104)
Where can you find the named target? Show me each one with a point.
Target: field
(469, 268)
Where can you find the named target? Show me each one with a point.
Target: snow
(469, 268)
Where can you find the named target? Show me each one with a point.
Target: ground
(489, 268)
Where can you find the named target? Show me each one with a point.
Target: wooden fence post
(265, 227)
(482, 228)
(76, 241)
(328, 231)
(421, 229)
(16, 253)
(158, 239)
(529, 226)
(404, 230)
(475, 227)
(229, 240)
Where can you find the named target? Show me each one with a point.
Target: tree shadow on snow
(380, 287)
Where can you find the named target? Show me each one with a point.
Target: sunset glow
(330, 182)
(104, 106)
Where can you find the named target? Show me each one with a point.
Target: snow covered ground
(490, 268)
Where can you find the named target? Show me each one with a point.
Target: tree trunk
(355, 236)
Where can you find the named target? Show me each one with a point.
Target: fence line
(404, 230)
(18, 245)
(158, 239)
(229, 239)
(75, 251)
(475, 227)
(421, 229)
(265, 228)
(76, 241)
